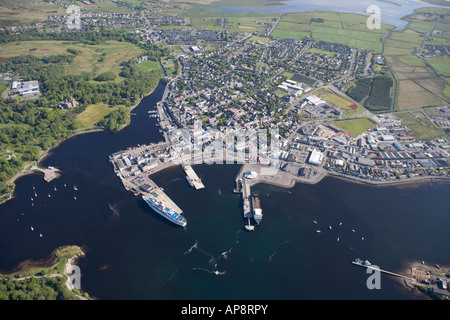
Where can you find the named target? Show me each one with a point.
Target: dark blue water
(133, 253)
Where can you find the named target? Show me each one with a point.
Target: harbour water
(133, 253)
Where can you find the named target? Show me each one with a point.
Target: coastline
(46, 153)
(286, 180)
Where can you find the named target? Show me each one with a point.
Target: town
(252, 81)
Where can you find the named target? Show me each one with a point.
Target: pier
(369, 266)
(144, 186)
(192, 177)
(246, 193)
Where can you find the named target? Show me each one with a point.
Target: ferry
(257, 211)
(166, 212)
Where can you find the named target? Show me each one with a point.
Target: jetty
(368, 265)
(192, 177)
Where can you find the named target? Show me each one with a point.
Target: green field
(418, 86)
(335, 27)
(354, 127)
(98, 58)
(327, 53)
(420, 126)
(148, 65)
(93, 114)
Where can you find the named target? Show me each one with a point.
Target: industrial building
(315, 157)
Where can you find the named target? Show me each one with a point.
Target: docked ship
(257, 211)
(166, 212)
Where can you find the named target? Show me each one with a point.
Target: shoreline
(46, 153)
(290, 180)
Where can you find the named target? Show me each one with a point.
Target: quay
(134, 167)
(370, 266)
(192, 177)
(144, 186)
(50, 173)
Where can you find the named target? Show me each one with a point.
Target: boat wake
(216, 272)
(212, 259)
(115, 213)
(194, 246)
(276, 251)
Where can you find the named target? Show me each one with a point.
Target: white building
(315, 157)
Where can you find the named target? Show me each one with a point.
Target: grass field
(99, 58)
(335, 27)
(337, 100)
(418, 86)
(420, 126)
(93, 114)
(354, 127)
(148, 65)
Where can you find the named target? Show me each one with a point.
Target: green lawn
(354, 127)
(93, 114)
(148, 65)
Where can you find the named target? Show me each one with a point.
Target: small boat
(75, 198)
(353, 230)
(49, 195)
(315, 221)
(423, 262)
(340, 223)
(437, 266)
(75, 188)
(55, 188)
(65, 185)
(32, 229)
(330, 227)
(40, 235)
(31, 199)
(362, 238)
(337, 239)
(318, 231)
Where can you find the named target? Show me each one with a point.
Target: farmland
(406, 51)
(342, 28)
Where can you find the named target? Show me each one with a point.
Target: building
(398, 146)
(26, 88)
(387, 137)
(316, 101)
(315, 158)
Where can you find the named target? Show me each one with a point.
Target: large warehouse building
(315, 157)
